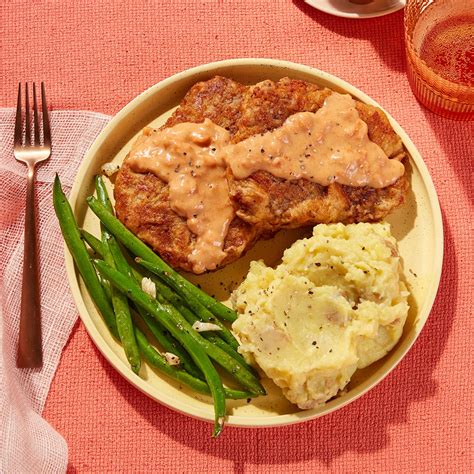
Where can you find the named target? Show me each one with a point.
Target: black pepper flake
(310, 292)
(330, 350)
(314, 343)
(317, 264)
(262, 150)
(363, 248)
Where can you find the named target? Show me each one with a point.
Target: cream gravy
(331, 145)
(185, 156)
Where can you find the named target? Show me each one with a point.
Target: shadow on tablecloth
(386, 33)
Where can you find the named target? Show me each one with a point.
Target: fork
(30, 353)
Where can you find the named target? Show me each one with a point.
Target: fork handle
(30, 352)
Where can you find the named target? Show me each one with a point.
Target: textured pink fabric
(98, 56)
(27, 442)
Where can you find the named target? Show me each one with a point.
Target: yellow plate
(416, 225)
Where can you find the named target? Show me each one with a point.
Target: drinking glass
(439, 43)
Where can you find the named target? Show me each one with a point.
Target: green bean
(211, 336)
(177, 302)
(94, 243)
(169, 343)
(177, 324)
(140, 249)
(163, 337)
(161, 334)
(198, 309)
(155, 359)
(180, 329)
(102, 193)
(106, 286)
(78, 250)
(119, 300)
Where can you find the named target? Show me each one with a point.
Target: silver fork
(30, 353)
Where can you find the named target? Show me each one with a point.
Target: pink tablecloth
(98, 56)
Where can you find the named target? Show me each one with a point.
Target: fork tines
(24, 139)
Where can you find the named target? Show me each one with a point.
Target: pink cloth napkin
(27, 442)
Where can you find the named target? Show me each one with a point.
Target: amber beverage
(439, 39)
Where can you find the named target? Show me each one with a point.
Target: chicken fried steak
(262, 202)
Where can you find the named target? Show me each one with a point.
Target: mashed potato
(334, 304)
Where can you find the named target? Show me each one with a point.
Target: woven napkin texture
(27, 442)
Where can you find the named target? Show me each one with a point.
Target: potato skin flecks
(336, 303)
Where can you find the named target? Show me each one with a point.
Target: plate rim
(240, 420)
